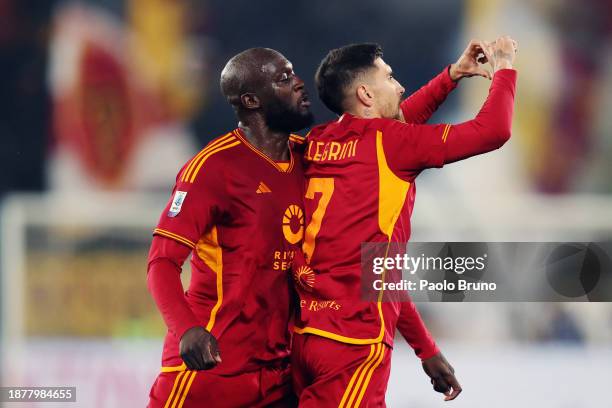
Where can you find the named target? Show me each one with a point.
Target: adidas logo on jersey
(263, 188)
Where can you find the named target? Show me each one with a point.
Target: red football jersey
(241, 214)
(360, 177)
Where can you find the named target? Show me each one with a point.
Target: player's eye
(285, 77)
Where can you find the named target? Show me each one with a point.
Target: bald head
(261, 86)
(248, 72)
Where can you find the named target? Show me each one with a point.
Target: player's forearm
(413, 329)
(421, 105)
(491, 128)
(164, 282)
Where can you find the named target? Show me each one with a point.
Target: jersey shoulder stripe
(189, 167)
(222, 143)
(297, 139)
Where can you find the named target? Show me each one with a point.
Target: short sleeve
(194, 205)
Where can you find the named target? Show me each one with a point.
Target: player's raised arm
(412, 148)
(421, 105)
(492, 127)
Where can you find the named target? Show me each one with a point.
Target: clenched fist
(199, 350)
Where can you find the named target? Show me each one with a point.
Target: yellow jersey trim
(181, 401)
(297, 139)
(177, 380)
(264, 156)
(175, 237)
(349, 387)
(370, 371)
(345, 339)
(445, 133)
(209, 250)
(392, 191)
(172, 369)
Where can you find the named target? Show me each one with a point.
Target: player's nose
(299, 84)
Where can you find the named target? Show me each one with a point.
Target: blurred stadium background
(101, 101)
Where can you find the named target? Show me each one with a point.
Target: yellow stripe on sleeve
(175, 237)
(445, 133)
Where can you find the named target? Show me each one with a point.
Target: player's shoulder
(211, 158)
(318, 130)
(384, 124)
(348, 123)
(333, 128)
(386, 127)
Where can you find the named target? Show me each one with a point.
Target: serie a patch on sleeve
(177, 203)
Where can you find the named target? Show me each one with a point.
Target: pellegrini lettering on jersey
(330, 151)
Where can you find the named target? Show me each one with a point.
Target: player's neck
(364, 112)
(273, 144)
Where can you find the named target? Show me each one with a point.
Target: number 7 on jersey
(325, 186)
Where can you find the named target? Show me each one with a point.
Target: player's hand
(501, 52)
(442, 376)
(468, 64)
(199, 350)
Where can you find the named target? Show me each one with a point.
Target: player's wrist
(189, 328)
(503, 63)
(454, 73)
(429, 352)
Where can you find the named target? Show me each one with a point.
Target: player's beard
(281, 117)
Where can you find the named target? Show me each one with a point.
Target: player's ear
(250, 101)
(364, 95)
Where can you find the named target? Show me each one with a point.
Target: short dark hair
(339, 69)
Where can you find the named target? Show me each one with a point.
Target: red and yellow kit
(360, 176)
(240, 214)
